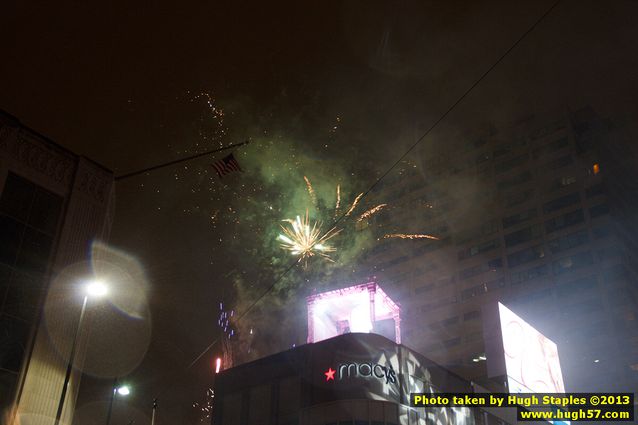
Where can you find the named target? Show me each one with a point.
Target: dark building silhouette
(53, 204)
(351, 379)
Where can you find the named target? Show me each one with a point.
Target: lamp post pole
(69, 367)
(113, 391)
(154, 409)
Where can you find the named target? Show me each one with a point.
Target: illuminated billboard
(361, 308)
(531, 359)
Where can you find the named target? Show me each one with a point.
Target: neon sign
(366, 370)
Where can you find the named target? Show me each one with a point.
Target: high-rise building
(538, 216)
(53, 204)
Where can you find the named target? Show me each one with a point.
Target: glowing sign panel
(531, 359)
(361, 308)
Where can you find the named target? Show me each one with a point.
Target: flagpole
(177, 161)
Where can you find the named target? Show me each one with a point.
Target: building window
(514, 181)
(559, 163)
(511, 164)
(429, 246)
(517, 198)
(563, 221)
(447, 322)
(439, 303)
(451, 321)
(602, 232)
(481, 289)
(481, 158)
(594, 190)
(474, 337)
(29, 216)
(523, 235)
(582, 259)
(521, 217)
(14, 334)
(610, 252)
(506, 148)
(394, 262)
(569, 289)
(568, 242)
(562, 202)
(529, 274)
(616, 274)
(478, 249)
(424, 288)
(485, 229)
(532, 298)
(563, 182)
(472, 315)
(598, 210)
(489, 227)
(526, 256)
(479, 142)
(550, 147)
(491, 265)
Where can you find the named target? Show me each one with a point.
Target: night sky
(336, 91)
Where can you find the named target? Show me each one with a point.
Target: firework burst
(306, 239)
(311, 191)
(408, 236)
(371, 212)
(354, 204)
(205, 408)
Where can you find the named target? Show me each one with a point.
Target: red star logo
(330, 374)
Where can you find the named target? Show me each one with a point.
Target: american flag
(226, 165)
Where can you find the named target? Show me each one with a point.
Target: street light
(96, 289)
(122, 390)
(93, 289)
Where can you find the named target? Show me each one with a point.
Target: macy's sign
(366, 370)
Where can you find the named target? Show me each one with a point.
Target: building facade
(53, 205)
(539, 216)
(351, 379)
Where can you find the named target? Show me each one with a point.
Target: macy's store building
(351, 379)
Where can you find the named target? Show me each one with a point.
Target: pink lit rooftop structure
(360, 308)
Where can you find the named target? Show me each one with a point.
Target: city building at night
(53, 204)
(539, 216)
(351, 379)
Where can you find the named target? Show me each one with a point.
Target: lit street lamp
(122, 390)
(95, 289)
